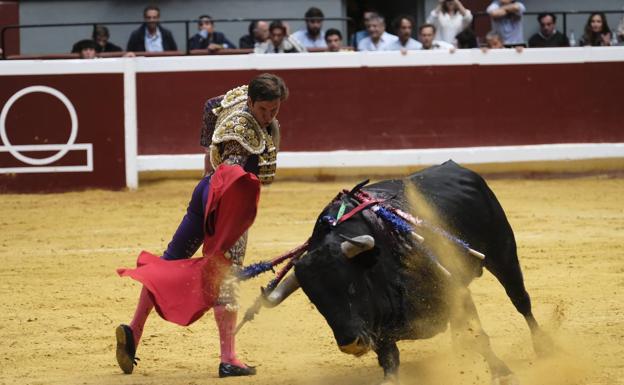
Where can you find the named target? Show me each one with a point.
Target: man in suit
(150, 36)
(207, 37)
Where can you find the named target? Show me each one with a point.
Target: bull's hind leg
(507, 271)
(467, 332)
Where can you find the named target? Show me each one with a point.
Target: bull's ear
(354, 246)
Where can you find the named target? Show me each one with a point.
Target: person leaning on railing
(548, 36)
(313, 35)
(101, 36)
(279, 41)
(207, 37)
(258, 34)
(507, 20)
(403, 26)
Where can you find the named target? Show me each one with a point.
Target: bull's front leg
(467, 333)
(388, 357)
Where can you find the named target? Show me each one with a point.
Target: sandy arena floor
(61, 298)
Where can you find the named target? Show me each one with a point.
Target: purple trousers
(190, 233)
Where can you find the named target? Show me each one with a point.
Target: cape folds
(183, 290)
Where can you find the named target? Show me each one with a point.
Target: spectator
(507, 21)
(466, 39)
(150, 36)
(312, 36)
(426, 34)
(377, 36)
(258, 34)
(101, 36)
(403, 25)
(494, 40)
(279, 41)
(620, 30)
(333, 39)
(597, 32)
(207, 37)
(361, 34)
(450, 17)
(548, 36)
(85, 48)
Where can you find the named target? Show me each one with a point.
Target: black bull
(394, 289)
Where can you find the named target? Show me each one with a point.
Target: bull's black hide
(392, 291)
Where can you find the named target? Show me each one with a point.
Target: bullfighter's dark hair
(267, 87)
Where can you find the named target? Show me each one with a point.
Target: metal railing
(187, 24)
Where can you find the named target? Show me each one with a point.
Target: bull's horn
(354, 246)
(288, 286)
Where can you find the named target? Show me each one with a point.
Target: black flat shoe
(125, 348)
(229, 370)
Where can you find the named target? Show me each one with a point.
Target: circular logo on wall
(62, 149)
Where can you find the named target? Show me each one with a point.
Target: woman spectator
(450, 17)
(597, 32)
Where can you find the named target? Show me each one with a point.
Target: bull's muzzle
(358, 348)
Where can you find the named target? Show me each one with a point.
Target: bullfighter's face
(264, 110)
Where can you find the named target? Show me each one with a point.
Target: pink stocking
(143, 309)
(226, 322)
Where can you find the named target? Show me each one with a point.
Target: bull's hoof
(390, 379)
(543, 344)
(509, 379)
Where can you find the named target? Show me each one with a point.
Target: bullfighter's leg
(184, 243)
(226, 311)
(467, 332)
(509, 274)
(388, 358)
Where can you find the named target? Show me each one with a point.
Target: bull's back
(463, 203)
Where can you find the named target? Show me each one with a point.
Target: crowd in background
(447, 27)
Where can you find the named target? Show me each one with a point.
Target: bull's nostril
(358, 348)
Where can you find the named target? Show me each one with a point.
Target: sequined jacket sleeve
(233, 152)
(209, 121)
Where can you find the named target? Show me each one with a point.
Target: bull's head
(340, 274)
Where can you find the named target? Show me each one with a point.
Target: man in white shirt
(426, 34)
(312, 36)
(377, 37)
(404, 25)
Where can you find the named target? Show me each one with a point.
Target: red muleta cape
(183, 290)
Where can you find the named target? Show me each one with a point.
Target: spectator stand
(188, 26)
(481, 20)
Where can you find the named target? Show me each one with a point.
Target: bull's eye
(351, 289)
